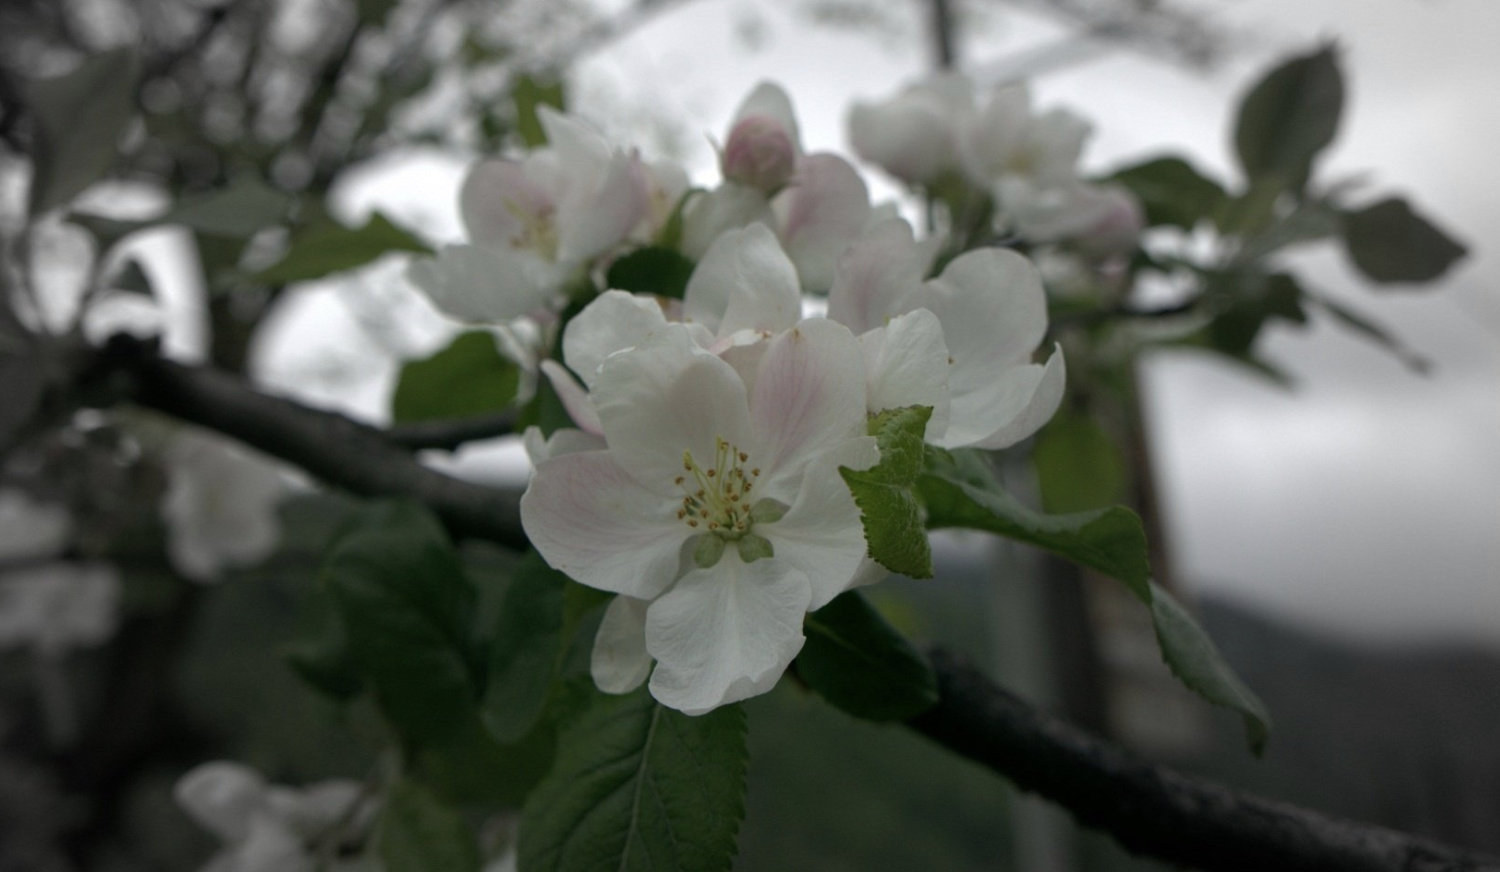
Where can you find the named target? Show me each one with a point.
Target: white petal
(809, 396)
(744, 282)
(486, 284)
(614, 321)
(708, 215)
(821, 534)
(221, 796)
(769, 100)
(577, 402)
(1037, 409)
(665, 398)
(725, 633)
(593, 219)
(620, 663)
(879, 276)
(906, 364)
(493, 194)
(823, 210)
(271, 847)
(564, 441)
(590, 519)
(582, 152)
(912, 135)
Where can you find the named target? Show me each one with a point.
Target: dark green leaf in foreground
(638, 787)
(1198, 664)
(652, 270)
(960, 491)
(858, 662)
(328, 247)
(525, 648)
(885, 493)
(469, 377)
(1290, 116)
(1172, 191)
(1391, 243)
(416, 832)
(406, 606)
(79, 118)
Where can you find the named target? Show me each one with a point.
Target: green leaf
(529, 93)
(1079, 466)
(237, 211)
(1172, 191)
(471, 767)
(1234, 330)
(885, 493)
(525, 649)
(401, 593)
(651, 270)
(959, 491)
(639, 787)
(1373, 331)
(329, 247)
(322, 657)
(862, 665)
(1195, 661)
(469, 377)
(79, 118)
(1290, 116)
(418, 833)
(1252, 212)
(1391, 243)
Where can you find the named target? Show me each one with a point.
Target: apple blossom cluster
(701, 480)
(220, 505)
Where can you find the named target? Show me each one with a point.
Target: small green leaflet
(886, 496)
(416, 832)
(1290, 116)
(469, 377)
(327, 247)
(525, 648)
(638, 787)
(79, 120)
(858, 662)
(651, 270)
(960, 492)
(1389, 242)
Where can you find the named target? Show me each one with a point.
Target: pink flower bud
(1118, 226)
(760, 154)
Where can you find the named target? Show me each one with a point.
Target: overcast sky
(1365, 501)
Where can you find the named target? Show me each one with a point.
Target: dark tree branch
(450, 434)
(1153, 810)
(1147, 808)
(342, 452)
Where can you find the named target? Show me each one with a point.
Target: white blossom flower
(220, 505)
(55, 607)
(273, 828)
(716, 508)
(535, 223)
(1095, 220)
(1006, 139)
(914, 135)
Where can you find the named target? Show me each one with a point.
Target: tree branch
(1153, 810)
(450, 434)
(1147, 808)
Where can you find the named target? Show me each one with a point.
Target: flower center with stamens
(717, 498)
(538, 231)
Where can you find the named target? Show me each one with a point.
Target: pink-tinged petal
(494, 197)
(809, 396)
(620, 662)
(709, 215)
(614, 321)
(906, 364)
(592, 520)
(665, 398)
(879, 276)
(1045, 396)
(575, 399)
(595, 218)
(821, 534)
(743, 282)
(486, 284)
(994, 313)
(825, 208)
(769, 100)
(725, 633)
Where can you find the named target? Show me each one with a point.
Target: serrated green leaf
(328, 247)
(858, 662)
(1290, 116)
(1196, 662)
(525, 648)
(529, 93)
(1079, 466)
(79, 118)
(651, 270)
(469, 377)
(417, 832)
(402, 596)
(237, 211)
(1391, 243)
(959, 491)
(888, 506)
(1172, 191)
(638, 787)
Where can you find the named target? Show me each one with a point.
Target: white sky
(1367, 501)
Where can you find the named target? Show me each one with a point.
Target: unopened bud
(759, 154)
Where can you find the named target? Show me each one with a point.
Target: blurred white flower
(55, 607)
(220, 505)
